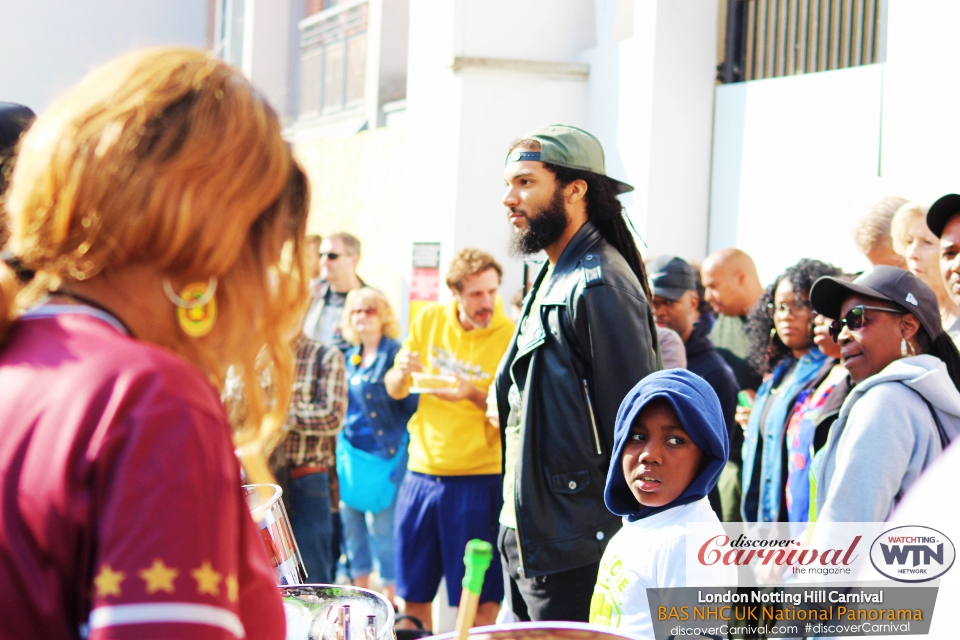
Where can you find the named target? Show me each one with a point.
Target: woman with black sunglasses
(783, 351)
(905, 407)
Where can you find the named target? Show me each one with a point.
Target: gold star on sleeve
(208, 580)
(233, 588)
(108, 581)
(159, 577)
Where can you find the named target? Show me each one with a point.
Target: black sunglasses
(329, 255)
(855, 319)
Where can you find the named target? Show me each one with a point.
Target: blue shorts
(436, 517)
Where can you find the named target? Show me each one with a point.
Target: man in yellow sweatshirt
(452, 492)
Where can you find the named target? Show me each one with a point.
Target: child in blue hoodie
(670, 444)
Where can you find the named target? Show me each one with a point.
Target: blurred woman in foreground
(154, 200)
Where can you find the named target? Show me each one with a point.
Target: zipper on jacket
(593, 419)
(520, 570)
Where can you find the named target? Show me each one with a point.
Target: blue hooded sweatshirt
(698, 409)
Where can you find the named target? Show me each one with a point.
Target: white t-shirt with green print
(648, 554)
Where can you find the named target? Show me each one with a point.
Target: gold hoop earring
(906, 349)
(196, 306)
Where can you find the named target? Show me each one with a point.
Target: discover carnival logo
(912, 554)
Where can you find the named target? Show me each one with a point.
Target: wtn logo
(899, 554)
(912, 554)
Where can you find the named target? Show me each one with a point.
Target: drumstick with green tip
(476, 559)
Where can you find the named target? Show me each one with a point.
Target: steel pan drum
(312, 612)
(267, 510)
(538, 631)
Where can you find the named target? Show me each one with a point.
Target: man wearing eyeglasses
(339, 255)
(676, 306)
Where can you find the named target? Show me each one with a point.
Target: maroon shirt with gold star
(122, 514)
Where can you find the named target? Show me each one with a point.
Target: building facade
(764, 124)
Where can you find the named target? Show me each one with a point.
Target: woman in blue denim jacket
(373, 443)
(782, 348)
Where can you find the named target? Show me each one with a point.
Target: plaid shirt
(317, 406)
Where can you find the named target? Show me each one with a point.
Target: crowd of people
(163, 309)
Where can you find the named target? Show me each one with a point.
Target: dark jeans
(312, 525)
(558, 596)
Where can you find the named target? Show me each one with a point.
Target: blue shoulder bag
(367, 481)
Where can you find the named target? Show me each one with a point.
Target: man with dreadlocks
(586, 337)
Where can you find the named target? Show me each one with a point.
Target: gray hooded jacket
(884, 438)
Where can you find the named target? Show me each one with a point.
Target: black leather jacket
(594, 339)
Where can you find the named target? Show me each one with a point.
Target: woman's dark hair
(943, 348)
(766, 348)
(606, 212)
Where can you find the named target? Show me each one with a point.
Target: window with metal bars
(776, 38)
(333, 59)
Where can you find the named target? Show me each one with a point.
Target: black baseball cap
(671, 277)
(941, 211)
(894, 285)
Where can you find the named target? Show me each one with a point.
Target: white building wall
(647, 95)
(651, 104)
(497, 115)
(921, 127)
(460, 121)
(47, 46)
(268, 53)
(797, 159)
(795, 162)
(394, 40)
(684, 77)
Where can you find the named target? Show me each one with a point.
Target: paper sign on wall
(425, 278)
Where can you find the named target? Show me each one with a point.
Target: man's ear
(575, 191)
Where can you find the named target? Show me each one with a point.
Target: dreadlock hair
(766, 348)
(606, 212)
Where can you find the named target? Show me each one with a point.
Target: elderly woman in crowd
(905, 407)
(154, 200)
(872, 231)
(372, 448)
(916, 243)
(782, 348)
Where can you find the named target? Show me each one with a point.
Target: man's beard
(474, 322)
(543, 229)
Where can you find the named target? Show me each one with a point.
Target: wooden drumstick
(476, 559)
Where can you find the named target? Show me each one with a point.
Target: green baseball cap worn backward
(568, 146)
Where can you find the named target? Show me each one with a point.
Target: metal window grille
(775, 38)
(333, 59)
